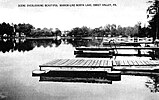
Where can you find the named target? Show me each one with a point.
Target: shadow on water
(153, 83)
(22, 45)
(85, 42)
(78, 76)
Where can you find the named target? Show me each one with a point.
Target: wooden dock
(94, 70)
(79, 63)
(112, 48)
(87, 51)
(102, 64)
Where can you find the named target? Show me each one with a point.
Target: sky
(124, 13)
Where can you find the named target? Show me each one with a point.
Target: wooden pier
(112, 48)
(94, 70)
(109, 52)
(101, 64)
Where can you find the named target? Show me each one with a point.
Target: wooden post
(153, 54)
(139, 52)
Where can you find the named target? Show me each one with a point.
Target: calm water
(19, 58)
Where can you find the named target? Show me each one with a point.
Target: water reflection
(45, 42)
(85, 42)
(153, 83)
(22, 45)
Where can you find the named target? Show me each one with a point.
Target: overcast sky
(125, 13)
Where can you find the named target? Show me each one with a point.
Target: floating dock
(112, 48)
(109, 52)
(94, 70)
(101, 64)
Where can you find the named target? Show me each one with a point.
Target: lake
(18, 58)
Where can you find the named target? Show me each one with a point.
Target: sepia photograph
(79, 49)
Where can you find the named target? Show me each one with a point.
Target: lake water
(19, 58)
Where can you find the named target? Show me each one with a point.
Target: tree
(76, 32)
(137, 29)
(86, 31)
(23, 28)
(57, 32)
(113, 30)
(107, 30)
(6, 28)
(153, 10)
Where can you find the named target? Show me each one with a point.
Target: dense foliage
(153, 14)
(109, 30)
(6, 29)
(18, 30)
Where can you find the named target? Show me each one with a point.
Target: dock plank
(105, 63)
(79, 62)
(94, 63)
(63, 62)
(71, 63)
(121, 63)
(98, 63)
(126, 63)
(143, 63)
(135, 63)
(85, 62)
(139, 63)
(147, 63)
(116, 63)
(90, 64)
(130, 62)
(156, 62)
(109, 63)
(52, 62)
(101, 63)
(68, 62)
(74, 63)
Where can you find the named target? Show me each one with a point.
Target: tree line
(13, 30)
(110, 30)
(152, 30)
(12, 45)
